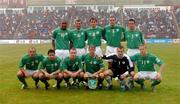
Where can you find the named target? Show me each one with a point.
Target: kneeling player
(122, 67)
(72, 67)
(31, 61)
(50, 68)
(94, 66)
(145, 63)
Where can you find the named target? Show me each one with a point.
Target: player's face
(32, 52)
(63, 25)
(120, 52)
(92, 51)
(51, 56)
(72, 54)
(78, 25)
(131, 25)
(93, 23)
(143, 50)
(112, 21)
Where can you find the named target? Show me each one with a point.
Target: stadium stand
(38, 23)
(153, 22)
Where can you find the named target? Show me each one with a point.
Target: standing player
(61, 40)
(28, 67)
(113, 36)
(94, 36)
(134, 38)
(146, 67)
(122, 67)
(78, 39)
(72, 67)
(93, 66)
(50, 68)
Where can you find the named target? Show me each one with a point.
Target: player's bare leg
(44, 79)
(21, 76)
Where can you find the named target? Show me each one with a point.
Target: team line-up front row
(90, 66)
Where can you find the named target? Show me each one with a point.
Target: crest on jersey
(97, 32)
(136, 35)
(55, 64)
(148, 62)
(76, 63)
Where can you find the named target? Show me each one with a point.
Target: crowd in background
(154, 23)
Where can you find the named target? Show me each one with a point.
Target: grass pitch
(168, 92)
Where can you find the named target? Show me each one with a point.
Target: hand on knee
(41, 76)
(158, 77)
(132, 73)
(101, 75)
(136, 77)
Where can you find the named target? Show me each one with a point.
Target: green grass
(168, 92)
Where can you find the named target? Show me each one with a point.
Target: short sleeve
(54, 33)
(133, 58)
(22, 62)
(158, 61)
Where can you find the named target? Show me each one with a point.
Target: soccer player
(72, 67)
(61, 40)
(146, 62)
(93, 66)
(134, 38)
(113, 34)
(28, 67)
(78, 38)
(94, 36)
(50, 68)
(122, 67)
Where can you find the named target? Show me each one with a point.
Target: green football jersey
(50, 65)
(31, 63)
(72, 65)
(114, 35)
(146, 63)
(92, 64)
(134, 39)
(94, 36)
(62, 38)
(78, 38)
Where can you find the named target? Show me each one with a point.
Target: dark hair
(64, 22)
(121, 47)
(51, 51)
(92, 46)
(72, 49)
(93, 19)
(132, 20)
